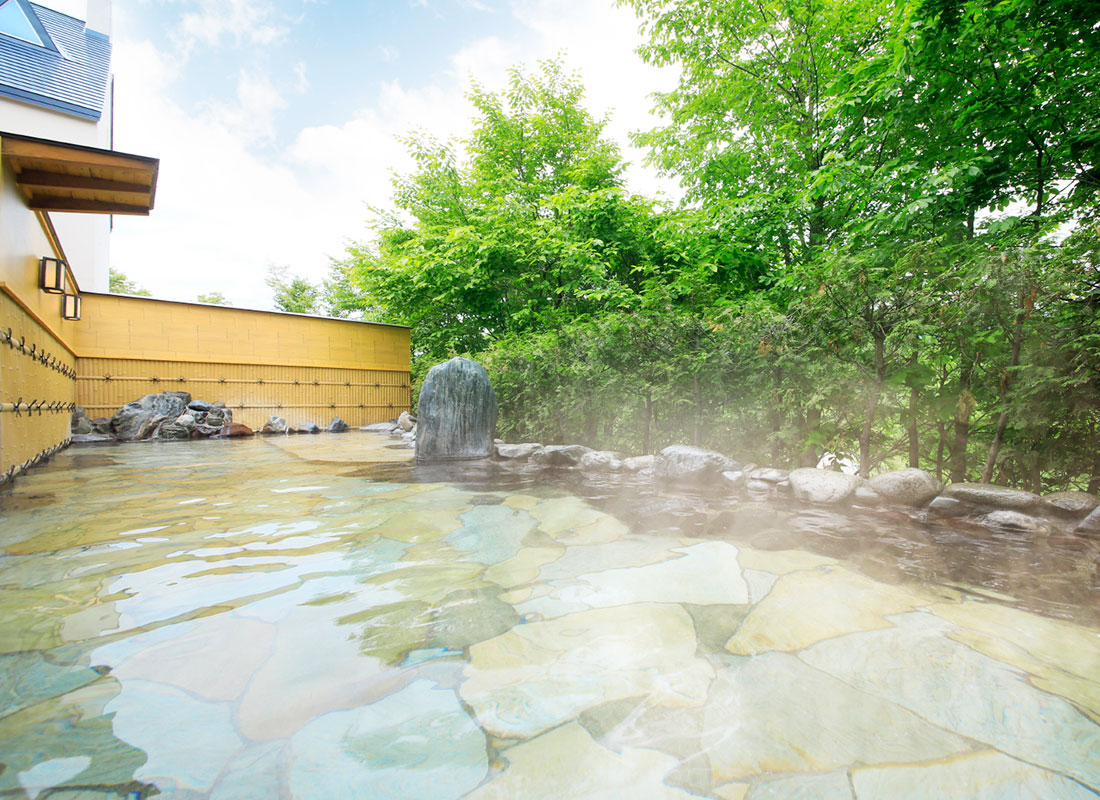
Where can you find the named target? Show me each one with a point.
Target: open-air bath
(319, 617)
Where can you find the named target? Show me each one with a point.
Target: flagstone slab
(702, 574)
(773, 713)
(523, 567)
(491, 534)
(417, 744)
(811, 605)
(253, 773)
(986, 775)
(916, 665)
(568, 763)
(31, 677)
(162, 721)
(827, 786)
(1064, 645)
(634, 551)
(541, 674)
(780, 562)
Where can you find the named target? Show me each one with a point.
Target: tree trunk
(1006, 381)
(872, 405)
(648, 423)
(1094, 479)
(696, 422)
(914, 441)
(962, 424)
(941, 432)
(810, 456)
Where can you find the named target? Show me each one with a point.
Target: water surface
(313, 617)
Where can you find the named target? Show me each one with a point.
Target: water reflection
(276, 618)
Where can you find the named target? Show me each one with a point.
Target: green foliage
(214, 299)
(292, 293)
(889, 246)
(118, 283)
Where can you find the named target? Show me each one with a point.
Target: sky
(276, 121)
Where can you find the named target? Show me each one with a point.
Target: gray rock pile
(165, 415)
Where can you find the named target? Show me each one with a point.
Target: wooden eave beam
(80, 206)
(15, 148)
(41, 179)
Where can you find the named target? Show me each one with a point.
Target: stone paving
(256, 619)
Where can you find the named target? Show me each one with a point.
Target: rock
(769, 474)
(866, 496)
(91, 438)
(783, 487)
(947, 507)
(187, 421)
(201, 406)
(140, 418)
(80, 423)
(907, 487)
(406, 421)
(1090, 525)
(734, 479)
(517, 452)
(560, 455)
(103, 425)
(309, 428)
(822, 486)
(337, 426)
(274, 425)
(985, 495)
(759, 487)
(236, 429)
(1015, 521)
(683, 463)
(377, 427)
(1070, 505)
(205, 431)
(218, 404)
(173, 431)
(602, 461)
(639, 463)
(459, 410)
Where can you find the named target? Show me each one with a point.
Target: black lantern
(51, 275)
(70, 306)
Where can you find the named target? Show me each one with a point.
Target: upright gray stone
(457, 413)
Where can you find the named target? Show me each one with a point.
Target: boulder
(866, 496)
(681, 463)
(406, 421)
(768, 474)
(457, 413)
(204, 431)
(174, 431)
(639, 463)
(988, 496)
(734, 479)
(602, 461)
(102, 425)
(560, 455)
(812, 485)
(140, 418)
(274, 425)
(1090, 525)
(80, 423)
(378, 427)
(907, 487)
(90, 438)
(337, 426)
(759, 487)
(186, 421)
(1015, 521)
(236, 429)
(947, 507)
(309, 427)
(1069, 505)
(201, 406)
(517, 452)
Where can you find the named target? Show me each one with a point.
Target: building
(65, 342)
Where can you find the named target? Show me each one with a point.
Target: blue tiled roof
(72, 78)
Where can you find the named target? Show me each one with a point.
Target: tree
(118, 283)
(214, 299)
(292, 293)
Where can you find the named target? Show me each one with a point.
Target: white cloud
(231, 200)
(240, 22)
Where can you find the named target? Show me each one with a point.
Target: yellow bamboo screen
(298, 394)
(260, 364)
(37, 389)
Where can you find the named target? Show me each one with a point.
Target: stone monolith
(457, 413)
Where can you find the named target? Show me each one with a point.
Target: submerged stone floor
(267, 619)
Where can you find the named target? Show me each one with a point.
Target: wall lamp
(70, 306)
(51, 275)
